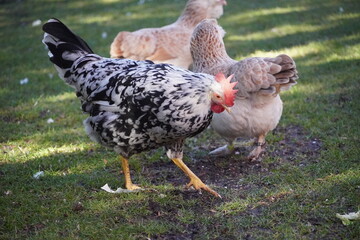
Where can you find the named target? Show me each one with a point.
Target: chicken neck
(194, 12)
(208, 50)
(211, 60)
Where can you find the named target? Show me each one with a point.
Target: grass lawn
(310, 171)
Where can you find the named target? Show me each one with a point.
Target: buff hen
(170, 43)
(258, 106)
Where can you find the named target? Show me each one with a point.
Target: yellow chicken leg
(194, 180)
(128, 183)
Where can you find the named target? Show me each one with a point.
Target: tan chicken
(168, 44)
(258, 106)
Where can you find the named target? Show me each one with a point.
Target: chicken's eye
(218, 96)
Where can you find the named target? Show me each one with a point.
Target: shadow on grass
(70, 191)
(329, 29)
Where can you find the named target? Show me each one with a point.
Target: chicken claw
(132, 187)
(255, 153)
(194, 180)
(198, 185)
(259, 148)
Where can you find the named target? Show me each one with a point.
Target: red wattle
(217, 108)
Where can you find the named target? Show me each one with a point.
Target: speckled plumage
(133, 105)
(139, 106)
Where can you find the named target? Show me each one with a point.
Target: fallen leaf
(347, 217)
(38, 175)
(50, 120)
(119, 190)
(36, 23)
(24, 81)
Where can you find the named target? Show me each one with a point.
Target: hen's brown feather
(145, 45)
(168, 44)
(257, 74)
(265, 75)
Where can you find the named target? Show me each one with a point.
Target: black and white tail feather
(64, 47)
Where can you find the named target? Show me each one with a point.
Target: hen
(137, 105)
(258, 107)
(168, 44)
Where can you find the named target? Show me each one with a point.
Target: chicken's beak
(226, 108)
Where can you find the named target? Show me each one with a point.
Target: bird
(258, 106)
(135, 106)
(170, 43)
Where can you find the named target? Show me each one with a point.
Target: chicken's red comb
(228, 88)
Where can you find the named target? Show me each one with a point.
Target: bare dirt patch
(295, 147)
(292, 146)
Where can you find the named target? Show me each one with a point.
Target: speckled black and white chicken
(135, 106)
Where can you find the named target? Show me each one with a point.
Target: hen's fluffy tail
(64, 46)
(285, 74)
(288, 75)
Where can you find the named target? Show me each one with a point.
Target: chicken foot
(128, 183)
(259, 144)
(194, 180)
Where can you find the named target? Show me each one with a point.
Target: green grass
(293, 193)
